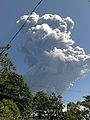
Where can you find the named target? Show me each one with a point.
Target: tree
(86, 107)
(16, 99)
(15, 89)
(12, 86)
(47, 107)
(9, 110)
(78, 111)
(6, 64)
(40, 105)
(73, 112)
(55, 107)
(51, 108)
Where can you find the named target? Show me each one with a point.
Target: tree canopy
(9, 110)
(12, 87)
(17, 102)
(52, 108)
(47, 107)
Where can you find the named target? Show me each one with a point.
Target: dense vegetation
(13, 91)
(17, 103)
(52, 108)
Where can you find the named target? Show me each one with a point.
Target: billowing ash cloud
(48, 49)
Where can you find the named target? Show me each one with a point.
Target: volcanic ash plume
(48, 49)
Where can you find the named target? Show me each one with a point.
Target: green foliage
(16, 99)
(15, 89)
(86, 105)
(12, 86)
(6, 64)
(47, 107)
(55, 107)
(51, 108)
(40, 105)
(9, 110)
(73, 112)
(79, 111)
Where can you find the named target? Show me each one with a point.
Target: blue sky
(78, 10)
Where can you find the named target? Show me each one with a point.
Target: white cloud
(48, 49)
